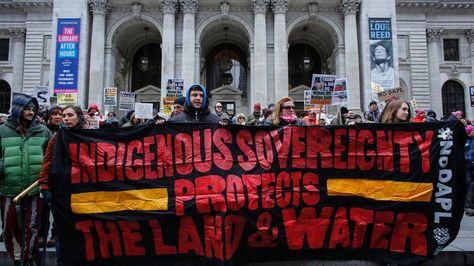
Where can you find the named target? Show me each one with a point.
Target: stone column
(351, 46)
(258, 92)
(280, 49)
(18, 37)
(433, 35)
(470, 39)
(189, 8)
(168, 45)
(99, 9)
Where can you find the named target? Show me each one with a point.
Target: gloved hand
(47, 195)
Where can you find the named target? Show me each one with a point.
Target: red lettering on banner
(213, 237)
(268, 190)
(384, 151)
(410, 226)
(351, 158)
(283, 184)
(111, 237)
(223, 159)
(165, 155)
(307, 226)
(295, 179)
(188, 237)
(75, 167)
(311, 197)
(234, 227)
(235, 193)
(339, 148)
(86, 227)
(134, 171)
(361, 218)
(365, 156)
(263, 146)
(424, 146)
(252, 182)
(298, 147)
(183, 161)
(403, 139)
(381, 229)
(184, 191)
(130, 236)
(266, 234)
(319, 140)
(87, 159)
(150, 157)
(201, 165)
(160, 247)
(282, 148)
(106, 161)
(244, 138)
(120, 161)
(340, 230)
(209, 191)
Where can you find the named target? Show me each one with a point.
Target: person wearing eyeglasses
(285, 113)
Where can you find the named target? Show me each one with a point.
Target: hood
(19, 101)
(205, 102)
(91, 106)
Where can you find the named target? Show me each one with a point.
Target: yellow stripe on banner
(155, 199)
(381, 189)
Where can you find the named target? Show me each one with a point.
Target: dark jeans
(469, 202)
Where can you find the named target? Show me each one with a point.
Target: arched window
(233, 74)
(151, 73)
(5, 94)
(298, 75)
(453, 97)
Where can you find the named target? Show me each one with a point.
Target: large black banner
(203, 194)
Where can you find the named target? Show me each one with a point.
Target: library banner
(202, 194)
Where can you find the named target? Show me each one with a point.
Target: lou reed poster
(187, 194)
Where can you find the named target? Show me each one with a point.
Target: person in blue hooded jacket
(196, 107)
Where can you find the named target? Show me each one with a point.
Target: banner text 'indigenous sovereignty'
(199, 193)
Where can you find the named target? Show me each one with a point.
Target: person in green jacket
(23, 143)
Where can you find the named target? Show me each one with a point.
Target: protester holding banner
(396, 111)
(196, 107)
(22, 148)
(73, 118)
(285, 113)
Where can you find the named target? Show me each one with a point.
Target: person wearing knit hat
(54, 118)
(255, 116)
(456, 115)
(178, 106)
(22, 156)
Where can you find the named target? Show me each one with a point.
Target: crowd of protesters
(26, 120)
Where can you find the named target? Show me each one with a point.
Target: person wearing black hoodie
(196, 107)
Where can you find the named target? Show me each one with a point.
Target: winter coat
(191, 114)
(22, 155)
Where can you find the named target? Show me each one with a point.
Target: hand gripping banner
(186, 194)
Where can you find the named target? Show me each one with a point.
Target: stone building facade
(243, 51)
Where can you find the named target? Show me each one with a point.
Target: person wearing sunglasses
(285, 113)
